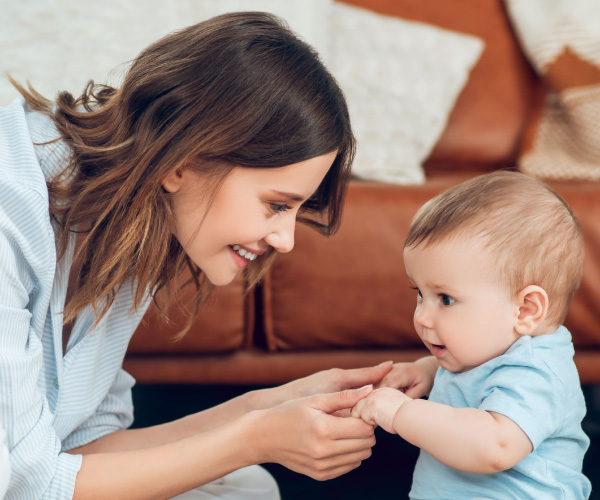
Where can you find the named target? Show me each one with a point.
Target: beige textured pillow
(562, 41)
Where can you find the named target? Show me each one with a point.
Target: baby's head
(504, 231)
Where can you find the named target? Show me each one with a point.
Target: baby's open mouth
(437, 349)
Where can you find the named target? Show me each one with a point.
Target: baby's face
(464, 315)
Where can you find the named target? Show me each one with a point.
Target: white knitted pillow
(401, 80)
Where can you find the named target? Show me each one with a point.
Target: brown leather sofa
(344, 301)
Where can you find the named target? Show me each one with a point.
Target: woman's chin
(221, 278)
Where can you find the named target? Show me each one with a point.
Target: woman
(219, 137)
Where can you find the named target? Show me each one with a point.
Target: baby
(494, 263)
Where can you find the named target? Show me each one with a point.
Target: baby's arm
(465, 439)
(414, 379)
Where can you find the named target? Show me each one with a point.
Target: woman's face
(252, 210)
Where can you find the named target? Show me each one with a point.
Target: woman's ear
(174, 180)
(533, 309)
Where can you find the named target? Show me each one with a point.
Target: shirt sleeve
(115, 413)
(528, 393)
(39, 469)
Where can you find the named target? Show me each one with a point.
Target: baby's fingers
(416, 391)
(400, 377)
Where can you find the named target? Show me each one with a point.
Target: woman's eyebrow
(289, 196)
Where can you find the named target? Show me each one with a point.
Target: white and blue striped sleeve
(40, 470)
(114, 413)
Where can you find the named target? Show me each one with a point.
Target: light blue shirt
(535, 384)
(50, 403)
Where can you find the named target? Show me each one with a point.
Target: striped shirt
(50, 402)
(4, 463)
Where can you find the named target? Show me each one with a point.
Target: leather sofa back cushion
(223, 324)
(351, 290)
(486, 126)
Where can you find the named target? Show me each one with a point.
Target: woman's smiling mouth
(247, 254)
(242, 255)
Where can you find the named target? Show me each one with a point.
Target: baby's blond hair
(530, 230)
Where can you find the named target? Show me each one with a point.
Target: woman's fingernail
(385, 363)
(364, 387)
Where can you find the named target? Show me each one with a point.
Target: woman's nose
(282, 239)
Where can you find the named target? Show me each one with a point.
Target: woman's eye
(279, 207)
(419, 296)
(446, 299)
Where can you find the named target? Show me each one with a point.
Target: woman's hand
(414, 379)
(333, 380)
(305, 436)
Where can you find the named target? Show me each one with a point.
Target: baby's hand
(414, 379)
(380, 407)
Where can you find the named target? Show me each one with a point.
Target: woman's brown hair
(237, 90)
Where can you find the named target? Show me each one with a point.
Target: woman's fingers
(336, 401)
(336, 472)
(346, 412)
(333, 380)
(336, 466)
(322, 445)
(350, 428)
(358, 377)
(333, 465)
(351, 446)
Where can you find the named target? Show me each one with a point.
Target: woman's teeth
(244, 253)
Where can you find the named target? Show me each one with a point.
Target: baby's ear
(533, 309)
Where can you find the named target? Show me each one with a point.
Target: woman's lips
(240, 262)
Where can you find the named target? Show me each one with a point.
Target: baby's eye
(446, 299)
(419, 296)
(279, 207)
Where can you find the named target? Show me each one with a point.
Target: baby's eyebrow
(441, 287)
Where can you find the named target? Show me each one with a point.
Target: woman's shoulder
(19, 165)
(27, 158)
(24, 215)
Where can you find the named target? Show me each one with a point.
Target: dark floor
(387, 474)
